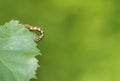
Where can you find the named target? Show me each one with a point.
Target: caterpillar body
(36, 29)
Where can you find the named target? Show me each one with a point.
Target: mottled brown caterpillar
(36, 29)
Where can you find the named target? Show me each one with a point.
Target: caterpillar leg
(36, 29)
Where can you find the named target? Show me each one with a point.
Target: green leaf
(17, 52)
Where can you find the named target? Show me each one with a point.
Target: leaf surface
(17, 52)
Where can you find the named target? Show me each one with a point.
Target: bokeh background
(82, 37)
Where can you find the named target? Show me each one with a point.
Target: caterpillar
(36, 29)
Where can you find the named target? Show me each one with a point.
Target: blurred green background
(82, 37)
